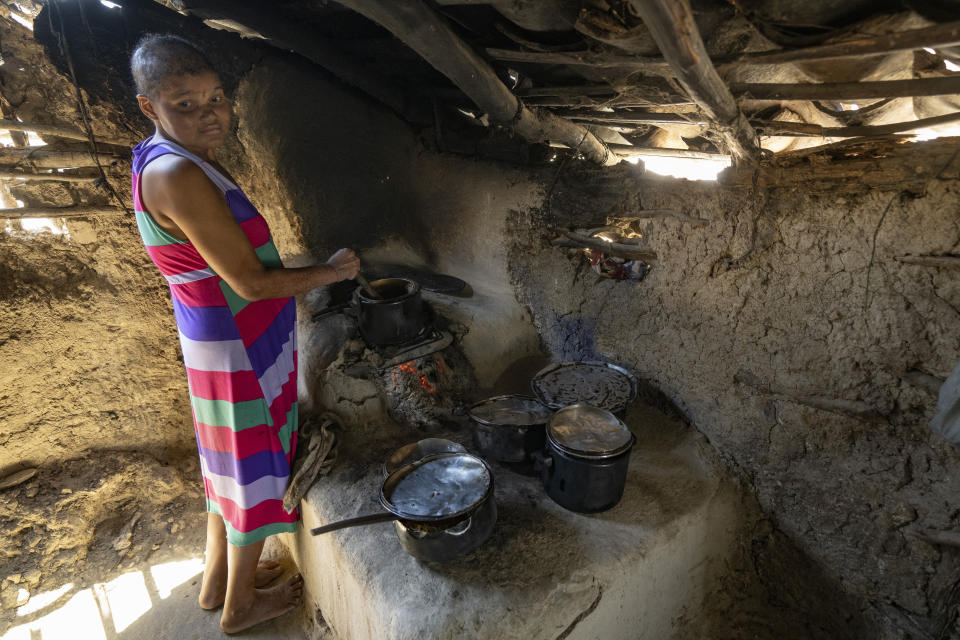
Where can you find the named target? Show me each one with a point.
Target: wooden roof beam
(849, 91)
(424, 31)
(673, 28)
(941, 35)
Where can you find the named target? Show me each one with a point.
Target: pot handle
(543, 462)
(354, 522)
(452, 531)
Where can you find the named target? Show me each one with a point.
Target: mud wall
(87, 338)
(331, 169)
(787, 333)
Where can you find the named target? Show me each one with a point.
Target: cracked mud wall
(87, 337)
(762, 328)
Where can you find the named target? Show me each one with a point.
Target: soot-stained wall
(786, 331)
(331, 169)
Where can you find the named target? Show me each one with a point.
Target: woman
(236, 317)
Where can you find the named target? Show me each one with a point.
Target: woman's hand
(346, 263)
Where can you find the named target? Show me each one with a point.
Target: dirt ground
(95, 541)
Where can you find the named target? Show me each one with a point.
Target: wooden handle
(372, 518)
(370, 291)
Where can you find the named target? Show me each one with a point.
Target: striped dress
(241, 360)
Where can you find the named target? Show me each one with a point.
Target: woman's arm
(181, 198)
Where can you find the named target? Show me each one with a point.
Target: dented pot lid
(437, 487)
(600, 384)
(510, 410)
(586, 431)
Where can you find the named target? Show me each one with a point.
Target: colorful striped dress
(241, 360)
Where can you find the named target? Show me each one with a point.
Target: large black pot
(509, 428)
(396, 317)
(428, 530)
(584, 465)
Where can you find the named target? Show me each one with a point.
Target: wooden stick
(630, 150)
(58, 132)
(941, 35)
(673, 28)
(573, 240)
(852, 408)
(778, 128)
(47, 177)
(848, 91)
(57, 212)
(939, 262)
(629, 117)
(428, 34)
(586, 59)
(46, 158)
(632, 100)
(658, 213)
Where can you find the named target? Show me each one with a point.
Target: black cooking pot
(509, 428)
(584, 465)
(395, 317)
(442, 506)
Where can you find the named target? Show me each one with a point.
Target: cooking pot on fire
(442, 506)
(584, 465)
(397, 316)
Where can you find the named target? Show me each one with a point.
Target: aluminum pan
(438, 487)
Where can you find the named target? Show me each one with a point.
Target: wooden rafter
(57, 212)
(849, 91)
(674, 30)
(941, 35)
(424, 31)
(797, 129)
(47, 158)
(57, 132)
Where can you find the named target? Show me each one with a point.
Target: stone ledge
(629, 572)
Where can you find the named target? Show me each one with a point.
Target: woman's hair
(159, 56)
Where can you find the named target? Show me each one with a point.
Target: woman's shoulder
(171, 167)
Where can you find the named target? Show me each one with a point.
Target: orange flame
(409, 367)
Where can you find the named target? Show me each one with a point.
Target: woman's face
(192, 110)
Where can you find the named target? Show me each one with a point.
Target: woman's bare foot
(261, 605)
(213, 591)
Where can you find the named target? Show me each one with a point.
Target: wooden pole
(46, 158)
(849, 91)
(428, 34)
(630, 150)
(941, 35)
(46, 177)
(58, 132)
(673, 28)
(939, 262)
(57, 212)
(777, 128)
(629, 117)
(658, 66)
(572, 240)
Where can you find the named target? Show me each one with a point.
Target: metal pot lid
(587, 431)
(419, 450)
(599, 384)
(510, 410)
(438, 487)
